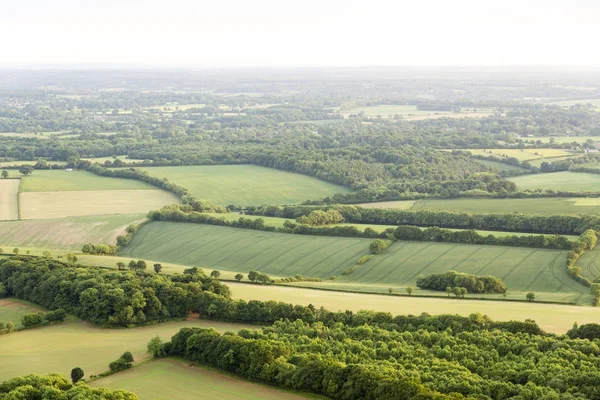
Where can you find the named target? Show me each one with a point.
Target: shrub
(379, 245)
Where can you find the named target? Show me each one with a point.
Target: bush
(33, 319)
(473, 283)
(379, 245)
(123, 363)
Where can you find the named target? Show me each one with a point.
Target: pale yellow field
(521, 155)
(9, 204)
(552, 318)
(41, 205)
(399, 205)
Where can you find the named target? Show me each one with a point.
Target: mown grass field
(42, 205)
(565, 180)
(9, 199)
(65, 234)
(59, 348)
(12, 309)
(522, 155)
(242, 250)
(69, 181)
(552, 318)
(246, 184)
(178, 380)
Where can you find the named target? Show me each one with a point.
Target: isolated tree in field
(390, 290)
(253, 275)
(239, 277)
(121, 266)
(409, 290)
(16, 250)
(530, 296)
(140, 265)
(47, 254)
(215, 274)
(157, 268)
(4, 174)
(76, 374)
(25, 170)
(72, 258)
(132, 265)
(155, 347)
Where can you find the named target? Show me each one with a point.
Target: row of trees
(42, 318)
(510, 222)
(319, 217)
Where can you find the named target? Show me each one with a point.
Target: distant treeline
(507, 222)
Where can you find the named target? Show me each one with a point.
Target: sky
(307, 33)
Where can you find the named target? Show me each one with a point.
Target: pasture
(12, 309)
(246, 184)
(243, 250)
(69, 181)
(42, 205)
(65, 234)
(176, 379)
(58, 348)
(522, 155)
(9, 199)
(565, 181)
(551, 317)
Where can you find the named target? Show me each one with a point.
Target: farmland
(411, 112)
(566, 181)
(554, 205)
(40, 205)
(246, 184)
(12, 309)
(502, 167)
(69, 181)
(9, 199)
(242, 250)
(59, 347)
(590, 264)
(551, 317)
(280, 255)
(65, 234)
(177, 380)
(524, 154)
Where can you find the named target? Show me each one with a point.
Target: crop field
(590, 264)
(65, 234)
(41, 205)
(175, 379)
(522, 155)
(246, 184)
(551, 317)
(58, 348)
(566, 180)
(522, 269)
(585, 206)
(409, 112)
(242, 250)
(12, 309)
(9, 199)
(69, 181)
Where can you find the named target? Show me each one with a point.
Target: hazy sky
(299, 33)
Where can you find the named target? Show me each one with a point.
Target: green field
(500, 166)
(246, 184)
(58, 348)
(522, 269)
(12, 309)
(566, 181)
(409, 112)
(65, 234)
(69, 181)
(590, 264)
(9, 199)
(242, 250)
(280, 255)
(551, 317)
(175, 379)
